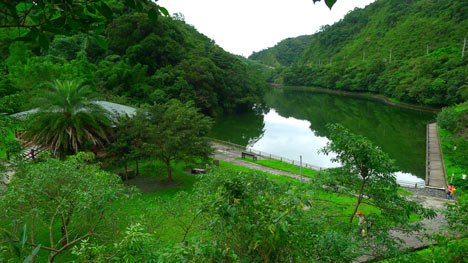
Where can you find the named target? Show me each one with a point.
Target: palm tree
(67, 118)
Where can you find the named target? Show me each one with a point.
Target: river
(292, 123)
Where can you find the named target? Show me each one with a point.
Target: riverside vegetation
(66, 207)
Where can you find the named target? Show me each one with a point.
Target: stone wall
(428, 191)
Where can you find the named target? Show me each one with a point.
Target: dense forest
(407, 50)
(285, 53)
(140, 61)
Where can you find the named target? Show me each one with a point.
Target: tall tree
(176, 132)
(67, 118)
(366, 171)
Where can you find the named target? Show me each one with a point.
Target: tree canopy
(67, 118)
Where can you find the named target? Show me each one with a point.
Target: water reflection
(296, 120)
(278, 139)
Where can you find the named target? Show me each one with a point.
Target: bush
(448, 119)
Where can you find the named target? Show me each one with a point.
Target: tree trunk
(63, 229)
(364, 178)
(33, 240)
(169, 173)
(125, 170)
(137, 169)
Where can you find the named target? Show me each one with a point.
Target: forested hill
(145, 62)
(285, 53)
(408, 50)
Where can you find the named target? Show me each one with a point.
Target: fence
(286, 160)
(412, 184)
(403, 183)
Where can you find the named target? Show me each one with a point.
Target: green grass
(11, 136)
(448, 142)
(147, 207)
(436, 253)
(329, 201)
(283, 166)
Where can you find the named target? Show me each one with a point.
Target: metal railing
(403, 183)
(286, 160)
(410, 184)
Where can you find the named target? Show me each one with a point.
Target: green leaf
(330, 3)
(102, 42)
(163, 10)
(91, 9)
(106, 11)
(13, 244)
(153, 15)
(86, 43)
(30, 36)
(23, 6)
(18, 33)
(43, 41)
(24, 237)
(33, 254)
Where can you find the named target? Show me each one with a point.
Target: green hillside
(424, 37)
(145, 62)
(285, 53)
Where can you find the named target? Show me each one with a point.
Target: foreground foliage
(71, 199)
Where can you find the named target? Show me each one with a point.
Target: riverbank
(362, 95)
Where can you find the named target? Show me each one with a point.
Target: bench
(198, 171)
(249, 154)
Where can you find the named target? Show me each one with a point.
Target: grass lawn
(283, 166)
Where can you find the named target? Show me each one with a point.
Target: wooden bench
(198, 171)
(249, 154)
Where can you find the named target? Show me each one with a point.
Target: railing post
(7, 155)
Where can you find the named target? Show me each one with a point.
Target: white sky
(244, 26)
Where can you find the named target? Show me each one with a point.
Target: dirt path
(230, 153)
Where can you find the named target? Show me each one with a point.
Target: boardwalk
(435, 169)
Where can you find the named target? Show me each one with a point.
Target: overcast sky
(244, 26)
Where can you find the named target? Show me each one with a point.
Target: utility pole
(390, 59)
(463, 50)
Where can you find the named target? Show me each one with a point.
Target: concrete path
(230, 153)
(435, 169)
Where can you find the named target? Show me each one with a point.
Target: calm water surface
(292, 123)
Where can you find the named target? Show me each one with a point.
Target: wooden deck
(435, 168)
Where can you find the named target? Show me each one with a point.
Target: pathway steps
(435, 169)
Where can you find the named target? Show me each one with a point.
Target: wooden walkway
(435, 168)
